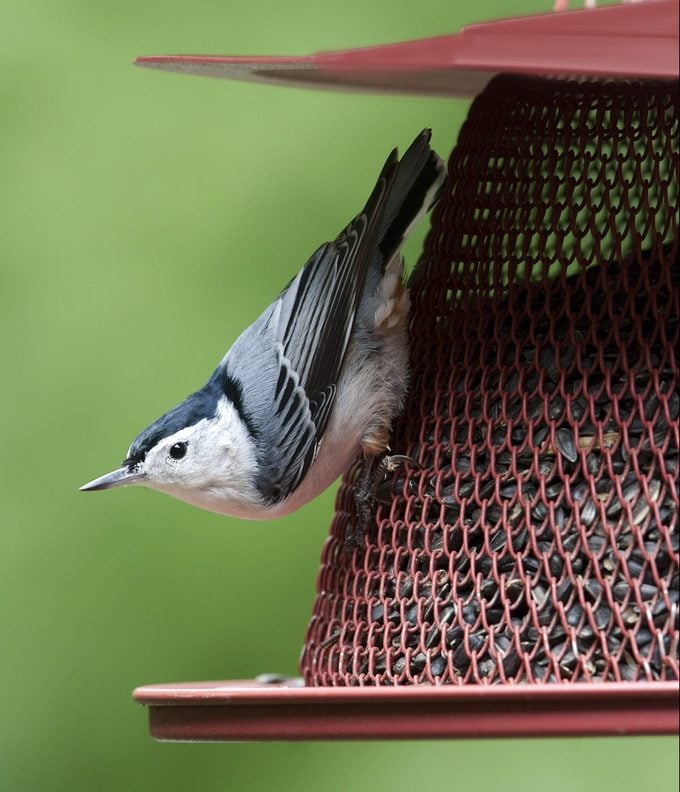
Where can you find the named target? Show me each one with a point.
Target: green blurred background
(145, 219)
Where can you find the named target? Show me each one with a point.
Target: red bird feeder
(522, 576)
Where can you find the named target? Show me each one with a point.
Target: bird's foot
(371, 476)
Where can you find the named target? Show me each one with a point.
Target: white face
(210, 464)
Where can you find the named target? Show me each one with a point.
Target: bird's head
(200, 451)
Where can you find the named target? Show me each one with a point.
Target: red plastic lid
(632, 40)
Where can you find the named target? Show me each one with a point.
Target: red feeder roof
(638, 40)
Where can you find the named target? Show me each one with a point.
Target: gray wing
(284, 369)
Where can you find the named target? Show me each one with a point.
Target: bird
(313, 384)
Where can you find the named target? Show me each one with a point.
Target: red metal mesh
(538, 541)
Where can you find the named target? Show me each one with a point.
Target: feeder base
(246, 710)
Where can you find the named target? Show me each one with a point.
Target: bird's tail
(415, 187)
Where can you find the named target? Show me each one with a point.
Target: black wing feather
(312, 325)
(289, 362)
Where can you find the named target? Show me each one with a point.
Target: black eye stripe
(178, 450)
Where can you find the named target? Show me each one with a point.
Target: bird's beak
(117, 478)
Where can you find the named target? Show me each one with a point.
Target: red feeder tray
(238, 710)
(523, 580)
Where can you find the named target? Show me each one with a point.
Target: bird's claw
(392, 462)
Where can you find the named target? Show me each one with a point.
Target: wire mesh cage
(535, 536)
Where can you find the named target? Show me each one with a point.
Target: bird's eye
(178, 450)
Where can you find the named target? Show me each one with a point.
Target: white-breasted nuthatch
(316, 379)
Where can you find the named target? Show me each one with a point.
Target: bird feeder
(521, 577)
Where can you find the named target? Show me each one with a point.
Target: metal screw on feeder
(533, 551)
